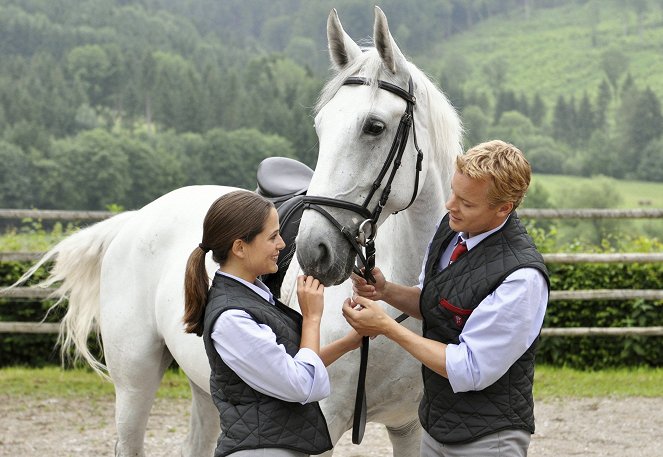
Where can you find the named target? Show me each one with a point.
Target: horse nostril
(323, 253)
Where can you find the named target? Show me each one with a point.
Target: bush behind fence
(591, 351)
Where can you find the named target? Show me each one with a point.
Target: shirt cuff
(458, 373)
(320, 387)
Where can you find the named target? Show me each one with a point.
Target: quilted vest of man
(447, 300)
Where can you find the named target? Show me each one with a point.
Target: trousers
(506, 443)
(268, 452)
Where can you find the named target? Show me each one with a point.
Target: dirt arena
(606, 427)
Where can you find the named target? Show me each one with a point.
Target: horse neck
(404, 237)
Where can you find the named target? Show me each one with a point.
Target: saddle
(284, 182)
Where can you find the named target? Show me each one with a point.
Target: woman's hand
(310, 293)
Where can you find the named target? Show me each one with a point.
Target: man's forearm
(403, 298)
(429, 352)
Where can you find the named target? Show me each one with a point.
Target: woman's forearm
(311, 334)
(333, 351)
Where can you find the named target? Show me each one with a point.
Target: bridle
(367, 230)
(363, 241)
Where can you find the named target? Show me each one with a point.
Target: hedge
(593, 352)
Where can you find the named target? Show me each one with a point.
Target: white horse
(124, 276)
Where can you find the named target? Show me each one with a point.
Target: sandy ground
(630, 427)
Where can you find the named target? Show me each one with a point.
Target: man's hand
(367, 317)
(372, 291)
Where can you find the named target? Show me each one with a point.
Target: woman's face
(262, 252)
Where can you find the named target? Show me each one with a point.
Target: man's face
(469, 210)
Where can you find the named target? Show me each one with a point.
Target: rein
(363, 240)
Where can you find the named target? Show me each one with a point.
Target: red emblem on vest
(459, 314)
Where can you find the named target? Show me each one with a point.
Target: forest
(112, 103)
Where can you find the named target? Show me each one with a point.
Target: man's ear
(238, 248)
(505, 209)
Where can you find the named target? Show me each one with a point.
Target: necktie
(460, 249)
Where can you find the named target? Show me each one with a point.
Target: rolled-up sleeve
(250, 350)
(499, 331)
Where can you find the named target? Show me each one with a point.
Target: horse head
(374, 121)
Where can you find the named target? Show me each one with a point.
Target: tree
(506, 101)
(537, 197)
(454, 74)
(92, 170)
(641, 122)
(152, 173)
(16, 189)
(176, 95)
(90, 66)
(602, 156)
(476, 124)
(543, 154)
(496, 72)
(585, 120)
(602, 104)
(232, 158)
(537, 110)
(650, 167)
(640, 7)
(281, 92)
(614, 63)
(513, 127)
(599, 193)
(564, 120)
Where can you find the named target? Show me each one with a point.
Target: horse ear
(342, 49)
(391, 55)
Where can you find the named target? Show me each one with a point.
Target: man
(482, 308)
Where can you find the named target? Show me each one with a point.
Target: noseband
(367, 230)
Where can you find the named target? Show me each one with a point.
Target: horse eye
(373, 126)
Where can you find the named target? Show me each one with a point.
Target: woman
(268, 370)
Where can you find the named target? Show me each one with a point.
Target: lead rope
(359, 419)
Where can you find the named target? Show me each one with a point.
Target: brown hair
(238, 215)
(504, 165)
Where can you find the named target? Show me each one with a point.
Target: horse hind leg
(204, 428)
(406, 439)
(136, 378)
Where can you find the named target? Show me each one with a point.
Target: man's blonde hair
(503, 165)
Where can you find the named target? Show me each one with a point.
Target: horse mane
(448, 130)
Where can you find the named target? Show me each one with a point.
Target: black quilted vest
(250, 419)
(447, 300)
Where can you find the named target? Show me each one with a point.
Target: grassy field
(632, 192)
(550, 382)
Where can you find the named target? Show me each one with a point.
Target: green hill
(558, 51)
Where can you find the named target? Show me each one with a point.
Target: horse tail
(78, 270)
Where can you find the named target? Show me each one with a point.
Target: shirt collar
(258, 287)
(476, 239)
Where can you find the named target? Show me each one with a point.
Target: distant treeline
(116, 102)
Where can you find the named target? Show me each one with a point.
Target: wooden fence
(555, 295)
